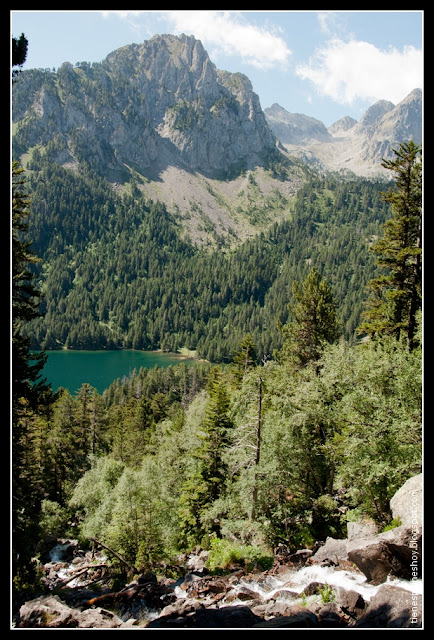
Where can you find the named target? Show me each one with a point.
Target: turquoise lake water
(70, 369)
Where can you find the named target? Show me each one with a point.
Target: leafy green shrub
(396, 522)
(53, 519)
(224, 554)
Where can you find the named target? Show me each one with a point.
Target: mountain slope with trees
(116, 272)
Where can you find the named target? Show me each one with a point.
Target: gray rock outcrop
(146, 105)
(407, 503)
(348, 145)
(392, 607)
(388, 554)
(49, 612)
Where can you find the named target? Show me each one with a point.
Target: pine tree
(30, 394)
(206, 481)
(19, 54)
(396, 295)
(313, 321)
(246, 358)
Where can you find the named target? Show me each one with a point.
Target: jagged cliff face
(350, 145)
(145, 106)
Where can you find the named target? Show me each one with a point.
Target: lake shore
(70, 368)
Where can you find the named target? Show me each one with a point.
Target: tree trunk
(258, 450)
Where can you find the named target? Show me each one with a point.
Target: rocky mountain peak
(294, 128)
(342, 126)
(374, 113)
(151, 104)
(349, 145)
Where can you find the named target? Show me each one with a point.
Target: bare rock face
(159, 103)
(392, 607)
(407, 504)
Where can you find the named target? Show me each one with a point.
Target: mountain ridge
(160, 120)
(161, 117)
(349, 145)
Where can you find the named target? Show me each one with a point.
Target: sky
(324, 64)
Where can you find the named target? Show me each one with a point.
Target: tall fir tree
(313, 321)
(30, 393)
(396, 295)
(245, 358)
(206, 482)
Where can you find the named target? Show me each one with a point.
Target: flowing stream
(293, 584)
(284, 588)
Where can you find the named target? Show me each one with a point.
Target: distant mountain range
(161, 118)
(358, 147)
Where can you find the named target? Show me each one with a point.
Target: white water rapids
(298, 580)
(287, 587)
(291, 585)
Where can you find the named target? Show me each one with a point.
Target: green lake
(70, 369)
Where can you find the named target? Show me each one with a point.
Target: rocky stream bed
(368, 580)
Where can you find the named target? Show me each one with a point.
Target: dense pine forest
(116, 272)
(308, 412)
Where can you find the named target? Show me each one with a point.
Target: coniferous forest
(306, 412)
(117, 274)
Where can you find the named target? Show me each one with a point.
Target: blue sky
(325, 64)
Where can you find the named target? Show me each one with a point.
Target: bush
(53, 519)
(224, 554)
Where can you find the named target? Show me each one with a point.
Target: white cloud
(132, 18)
(227, 32)
(348, 71)
(330, 21)
(231, 34)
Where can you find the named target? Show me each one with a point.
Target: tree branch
(127, 564)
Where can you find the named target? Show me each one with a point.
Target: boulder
(244, 594)
(49, 612)
(208, 618)
(332, 552)
(392, 607)
(313, 588)
(300, 557)
(397, 552)
(179, 609)
(238, 617)
(364, 528)
(299, 619)
(46, 612)
(98, 619)
(350, 602)
(407, 504)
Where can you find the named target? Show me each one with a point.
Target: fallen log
(107, 598)
(78, 573)
(124, 594)
(147, 589)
